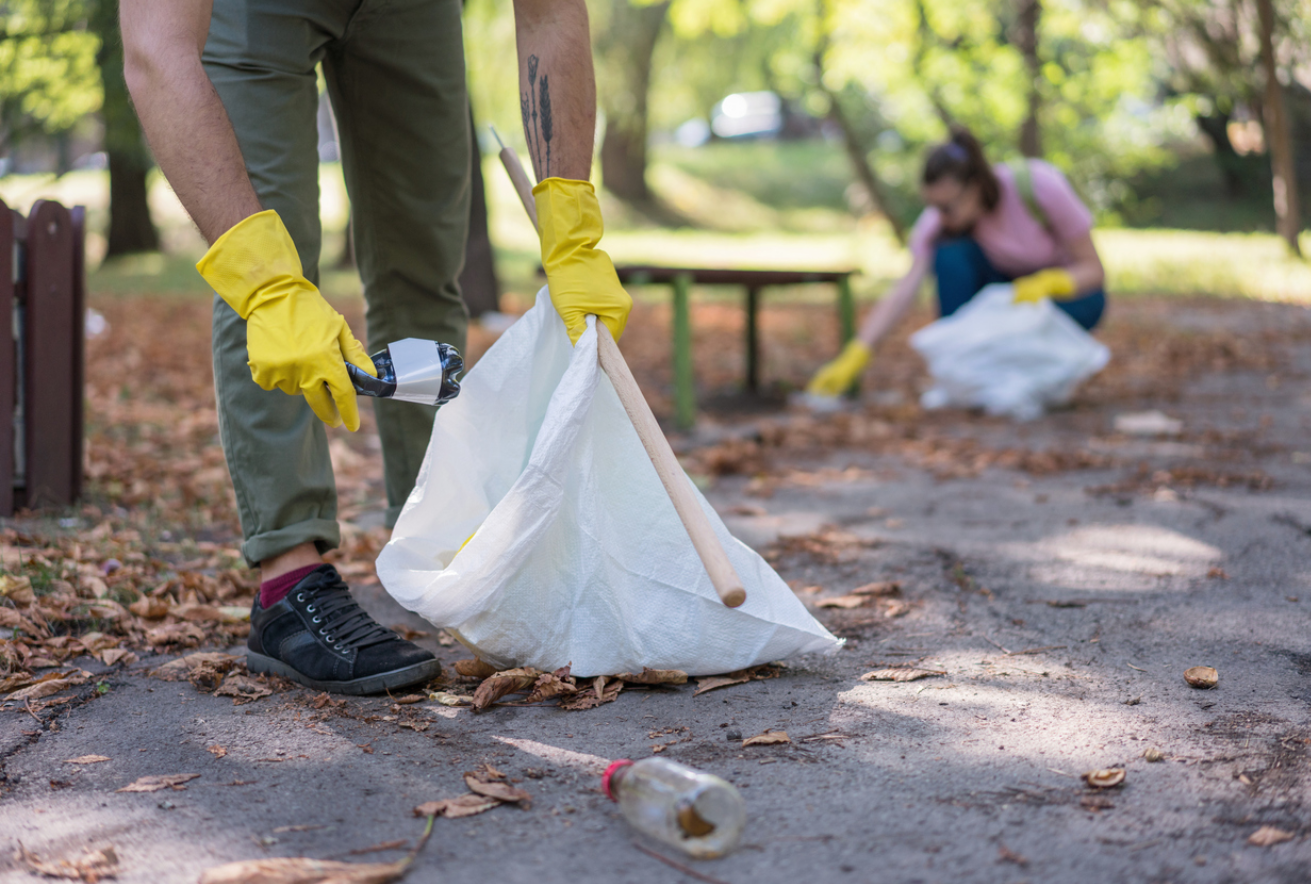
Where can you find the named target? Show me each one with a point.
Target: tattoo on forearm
(534, 148)
(547, 123)
(535, 106)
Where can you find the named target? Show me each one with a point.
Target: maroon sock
(273, 591)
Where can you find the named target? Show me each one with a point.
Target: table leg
(846, 309)
(753, 340)
(684, 389)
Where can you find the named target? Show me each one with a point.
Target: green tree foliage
(48, 75)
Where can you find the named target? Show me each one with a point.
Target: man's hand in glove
(1055, 283)
(581, 277)
(836, 377)
(295, 341)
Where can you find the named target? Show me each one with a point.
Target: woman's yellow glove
(295, 341)
(1055, 283)
(837, 377)
(581, 277)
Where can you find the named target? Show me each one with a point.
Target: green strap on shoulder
(1024, 184)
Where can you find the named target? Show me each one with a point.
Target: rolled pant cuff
(325, 534)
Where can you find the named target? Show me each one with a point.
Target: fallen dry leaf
(481, 783)
(112, 656)
(90, 867)
(243, 689)
(1204, 677)
(714, 682)
(180, 669)
(1267, 836)
(741, 676)
(303, 870)
(154, 784)
(883, 588)
(1108, 778)
(845, 602)
(15, 681)
(603, 691)
(149, 608)
(474, 669)
(552, 684)
(87, 759)
(448, 699)
(17, 589)
(901, 673)
(655, 677)
(499, 684)
(454, 808)
(52, 683)
(768, 738)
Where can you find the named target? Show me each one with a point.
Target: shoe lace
(343, 620)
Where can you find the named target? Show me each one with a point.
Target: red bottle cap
(609, 774)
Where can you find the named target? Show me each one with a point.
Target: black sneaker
(320, 637)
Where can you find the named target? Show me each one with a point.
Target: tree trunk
(1026, 39)
(869, 179)
(626, 47)
(856, 152)
(478, 281)
(130, 226)
(1215, 127)
(1279, 140)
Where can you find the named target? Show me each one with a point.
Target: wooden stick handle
(722, 573)
(679, 487)
(519, 178)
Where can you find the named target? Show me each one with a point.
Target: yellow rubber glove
(1055, 283)
(836, 377)
(581, 277)
(295, 341)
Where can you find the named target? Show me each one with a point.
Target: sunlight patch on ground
(1147, 550)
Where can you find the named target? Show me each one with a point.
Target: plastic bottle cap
(609, 774)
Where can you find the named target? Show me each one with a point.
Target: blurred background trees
(1165, 113)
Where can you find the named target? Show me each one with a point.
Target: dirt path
(1062, 575)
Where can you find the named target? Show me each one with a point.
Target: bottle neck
(612, 776)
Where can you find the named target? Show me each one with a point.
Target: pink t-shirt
(1016, 242)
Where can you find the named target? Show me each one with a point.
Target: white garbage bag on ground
(1006, 358)
(576, 555)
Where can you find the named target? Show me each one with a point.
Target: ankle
(275, 590)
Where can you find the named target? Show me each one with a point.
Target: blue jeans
(963, 270)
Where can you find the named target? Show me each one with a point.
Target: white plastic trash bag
(577, 555)
(1006, 358)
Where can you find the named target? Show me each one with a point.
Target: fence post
(8, 360)
(52, 337)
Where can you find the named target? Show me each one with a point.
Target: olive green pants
(395, 75)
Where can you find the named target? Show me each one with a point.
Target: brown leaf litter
(768, 738)
(92, 866)
(156, 783)
(571, 693)
(902, 673)
(742, 676)
(223, 675)
(1268, 836)
(1107, 778)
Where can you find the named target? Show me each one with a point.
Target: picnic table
(681, 279)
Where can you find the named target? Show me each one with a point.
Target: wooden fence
(42, 369)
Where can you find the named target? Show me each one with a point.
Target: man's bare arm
(183, 118)
(557, 86)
